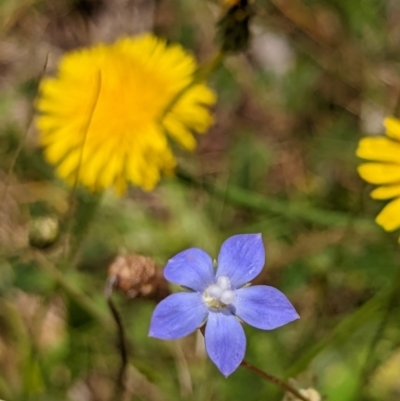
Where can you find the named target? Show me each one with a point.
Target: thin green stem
(275, 380)
(121, 336)
(369, 364)
(349, 324)
(396, 111)
(343, 330)
(85, 130)
(261, 203)
(12, 165)
(20, 145)
(90, 307)
(85, 212)
(389, 305)
(267, 376)
(201, 75)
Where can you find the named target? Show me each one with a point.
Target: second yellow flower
(384, 170)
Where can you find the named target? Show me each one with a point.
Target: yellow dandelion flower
(104, 120)
(384, 170)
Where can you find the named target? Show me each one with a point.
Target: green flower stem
(396, 111)
(79, 222)
(207, 69)
(275, 380)
(14, 161)
(21, 143)
(261, 203)
(200, 75)
(267, 376)
(74, 190)
(122, 343)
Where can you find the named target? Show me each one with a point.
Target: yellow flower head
(103, 120)
(384, 170)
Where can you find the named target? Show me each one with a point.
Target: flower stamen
(219, 295)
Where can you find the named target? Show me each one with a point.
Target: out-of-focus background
(280, 160)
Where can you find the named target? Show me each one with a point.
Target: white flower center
(219, 294)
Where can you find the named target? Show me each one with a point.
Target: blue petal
(241, 258)
(192, 268)
(263, 307)
(225, 341)
(178, 315)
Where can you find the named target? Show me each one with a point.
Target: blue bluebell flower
(222, 298)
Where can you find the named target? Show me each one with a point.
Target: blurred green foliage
(280, 160)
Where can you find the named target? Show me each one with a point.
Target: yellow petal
(379, 149)
(386, 192)
(380, 173)
(389, 217)
(178, 131)
(392, 126)
(70, 164)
